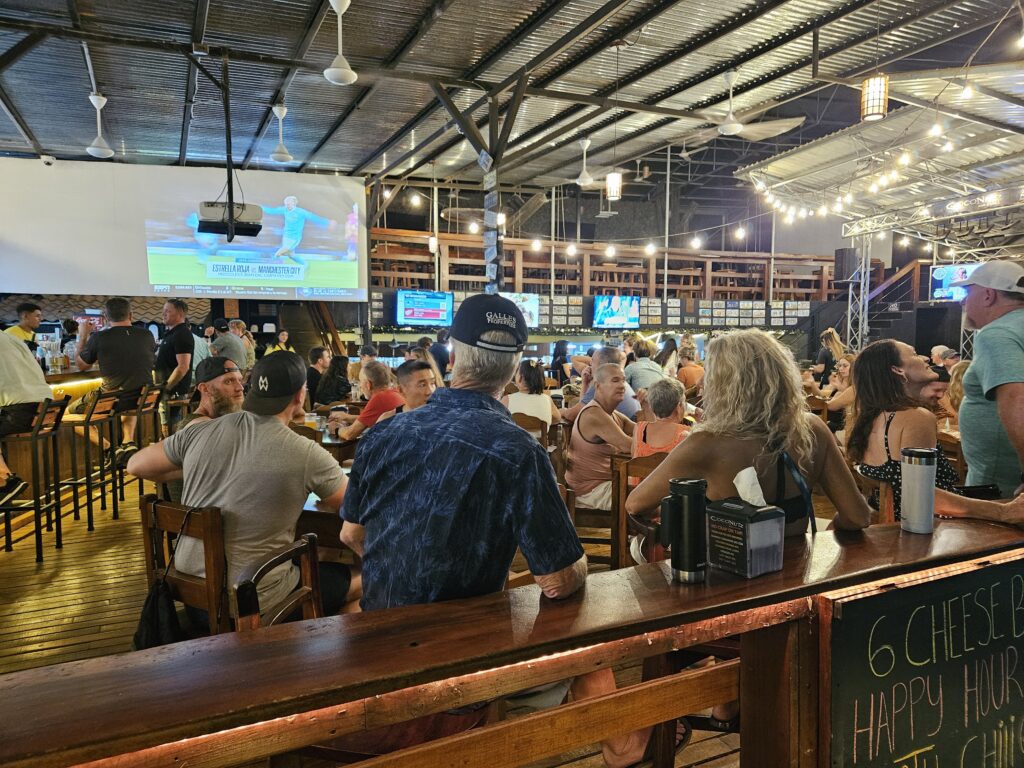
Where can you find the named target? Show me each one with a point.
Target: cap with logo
(489, 312)
(220, 324)
(210, 368)
(275, 380)
(997, 275)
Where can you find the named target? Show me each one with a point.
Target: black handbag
(158, 624)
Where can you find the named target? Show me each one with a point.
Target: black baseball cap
(210, 368)
(220, 324)
(489, 312)
(275, 380)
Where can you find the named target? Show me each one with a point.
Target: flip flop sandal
(682, 739)
(712, 723)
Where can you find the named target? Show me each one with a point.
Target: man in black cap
(219, 388)
(260, 473)
(226, 344)
(439, 499)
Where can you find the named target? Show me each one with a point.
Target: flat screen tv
(944, 274)
(616, 312)
(425, 308)
(529, 305)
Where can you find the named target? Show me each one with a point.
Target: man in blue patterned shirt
(439, 498)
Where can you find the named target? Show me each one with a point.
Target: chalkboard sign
(931, 674)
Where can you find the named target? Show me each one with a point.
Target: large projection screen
(108, 228)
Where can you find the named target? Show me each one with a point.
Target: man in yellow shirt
(29, 317)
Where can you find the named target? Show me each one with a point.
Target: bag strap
(174, 549)
(804, 490)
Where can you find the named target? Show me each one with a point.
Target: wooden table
(342, 450)
(249, 695)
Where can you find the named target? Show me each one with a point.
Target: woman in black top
(334, 384)
(831, 351)
(561, 361)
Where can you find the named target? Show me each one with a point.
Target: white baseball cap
(997, 275)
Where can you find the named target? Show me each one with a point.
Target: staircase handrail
(912, 267)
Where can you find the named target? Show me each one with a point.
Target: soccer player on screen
(207, 240)
(295, 219)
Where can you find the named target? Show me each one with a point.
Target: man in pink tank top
(598, 432)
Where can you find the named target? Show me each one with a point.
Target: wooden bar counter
(233, 698)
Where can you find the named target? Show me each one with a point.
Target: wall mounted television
(424, 308)
(944, 274)
(612, 312)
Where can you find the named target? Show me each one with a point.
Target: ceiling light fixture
(535, 246)
(740, 233)
(823, 210)
(340, 73)
(650, 249)
(99, 147)
(874, 97)
(500, 219)
(968, 91)
(432, 244)
(613, 186)
(935, 130)
(873, 188)
(474, 228)
(904, 241)
(904, 159)
(609, 252)
(613, 181)
(696, 243)
(415, 200)
(280, 153)
(570, 250)
(947, 147)
(386, 192)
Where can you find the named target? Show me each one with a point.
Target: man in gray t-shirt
(259, 473)
(226, 344)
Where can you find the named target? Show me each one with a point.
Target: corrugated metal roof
(147, 88)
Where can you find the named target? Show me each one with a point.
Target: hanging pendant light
(874, 97)
(99, 147)
(613, 186)
(340, 73)
(280, 153)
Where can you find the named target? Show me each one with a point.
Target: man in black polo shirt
(126, 356)
(174, 358)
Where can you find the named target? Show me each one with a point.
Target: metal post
(668, 211)
(552, 293)
(226, 94)
(770, 277)
(434, 227)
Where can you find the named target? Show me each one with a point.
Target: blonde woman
(424, 356)
(238, 328)
(956, 384)
(755, 416)
(831, 351)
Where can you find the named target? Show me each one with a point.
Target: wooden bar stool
(148, 414)
(103, 416)
(46, 483)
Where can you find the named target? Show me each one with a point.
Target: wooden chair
(306, 595)
(540, 429)
(551, 383)
(160, 520)
(819, 406)
(623, 470)
(102, 415)
(147, 421)
(302, 429)
(886, 500)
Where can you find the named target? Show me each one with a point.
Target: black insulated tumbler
(682, 528)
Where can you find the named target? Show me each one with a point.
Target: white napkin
(749, 488)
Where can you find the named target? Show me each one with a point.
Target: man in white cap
(992, 411)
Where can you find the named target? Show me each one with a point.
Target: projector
(213, 218)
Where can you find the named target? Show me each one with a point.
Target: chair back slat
(306, 595)
(536, 427)
(161, 520)
(48, 417)
(149, 401)
(103, 406)
(623, 469)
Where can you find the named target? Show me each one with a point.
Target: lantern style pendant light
(613, 186)
(99, 147)
(874, 97)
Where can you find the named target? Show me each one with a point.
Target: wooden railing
(401, 259)
(913, 269)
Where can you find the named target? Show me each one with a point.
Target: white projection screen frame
(115, 229)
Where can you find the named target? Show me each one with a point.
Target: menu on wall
(931, 674)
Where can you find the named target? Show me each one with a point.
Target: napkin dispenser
(743, 538)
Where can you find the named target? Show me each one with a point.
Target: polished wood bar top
(71, 376)
(99, 707)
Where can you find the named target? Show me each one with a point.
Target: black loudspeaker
(847, 260)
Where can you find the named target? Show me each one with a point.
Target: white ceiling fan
(585, 179)
(732, 125)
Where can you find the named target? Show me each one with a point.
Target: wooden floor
(83, 601)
